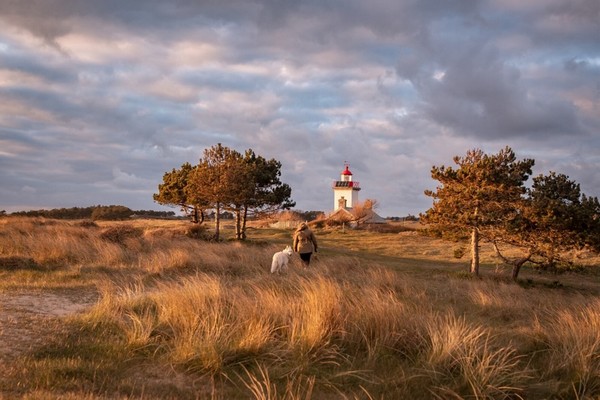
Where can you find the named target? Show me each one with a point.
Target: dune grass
(376, 316)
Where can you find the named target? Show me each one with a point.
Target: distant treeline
(111, 212)
(114, 212)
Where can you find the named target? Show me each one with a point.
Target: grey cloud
(307, 83)
(215, 79)
(45, 21)
(35, 66)
(54, 103)
(569, 22)
(383, 18)
(485, 97)
(52, 19)
(481, 92)
(15, 139)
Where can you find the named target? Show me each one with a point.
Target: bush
(88, 223)
(119, 234)
(459, 252)
(198, 231)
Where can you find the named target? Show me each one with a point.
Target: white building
(345, 197)
(345, 191)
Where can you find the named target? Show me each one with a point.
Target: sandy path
(27, 319)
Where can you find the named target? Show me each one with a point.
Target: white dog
(281, 260)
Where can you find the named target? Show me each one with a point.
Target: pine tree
(224, 179)
(479, 197)
(555, 218)
(174, 191)
(218, 179)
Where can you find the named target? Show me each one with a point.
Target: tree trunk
(516, 264)
(516, 269)
(475, 251)
(238, 224)
(519, 263)
(244, 219)
(217, 221)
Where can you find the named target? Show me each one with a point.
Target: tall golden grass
(346, 327)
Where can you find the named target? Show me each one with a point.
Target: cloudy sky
(99, 98)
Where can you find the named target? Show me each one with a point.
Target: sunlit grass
(574, 348)
(374, 316)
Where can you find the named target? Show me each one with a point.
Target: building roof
(369, 217)
(346, 171)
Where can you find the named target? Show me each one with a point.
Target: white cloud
(127, 181)
(439, 75)
(192, 54)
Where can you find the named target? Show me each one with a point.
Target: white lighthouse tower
(345, 191)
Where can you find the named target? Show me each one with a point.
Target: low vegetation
(378, 315)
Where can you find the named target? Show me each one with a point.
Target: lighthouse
(345, 191)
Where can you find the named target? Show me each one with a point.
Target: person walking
(305, 242)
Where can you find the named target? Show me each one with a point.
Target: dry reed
(343, 328)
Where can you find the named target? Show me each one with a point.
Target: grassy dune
(376, 316)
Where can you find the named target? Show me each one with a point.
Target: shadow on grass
(20, 263)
